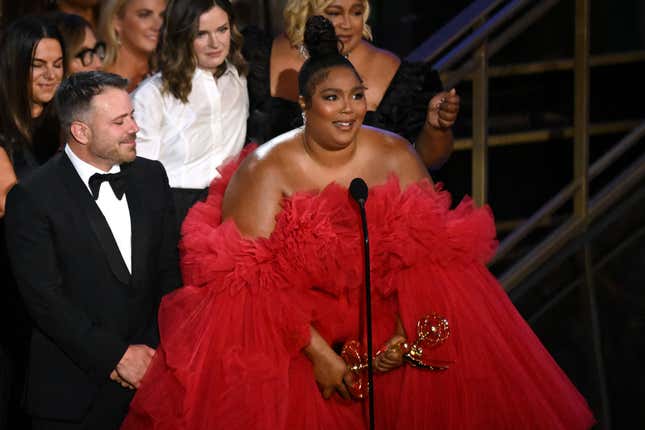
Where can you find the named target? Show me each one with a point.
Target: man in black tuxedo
(92, 255)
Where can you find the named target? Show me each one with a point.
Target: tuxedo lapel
(138, 221)
(97, 222)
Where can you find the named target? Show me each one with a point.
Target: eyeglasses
(87, 55)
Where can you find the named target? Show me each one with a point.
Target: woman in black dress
(402, 97)
(31, 68)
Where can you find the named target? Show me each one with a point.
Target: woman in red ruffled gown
(272, 264)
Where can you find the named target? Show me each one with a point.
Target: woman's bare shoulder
(383, 141)
(6, 166)
(281, 42)
(283, 54)
(377, 67)
(388, 62)
(265, 163)
(7, 178)
(382, 55)
(253, 195)
(395, 154)
(284, 64)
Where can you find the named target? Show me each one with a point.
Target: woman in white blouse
(192, 114)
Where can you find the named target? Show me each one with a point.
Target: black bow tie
(117, 182)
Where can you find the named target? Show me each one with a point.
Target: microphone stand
(358, 191)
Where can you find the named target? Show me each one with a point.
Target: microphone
(358, 191)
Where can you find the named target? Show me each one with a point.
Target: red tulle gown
(231, 339)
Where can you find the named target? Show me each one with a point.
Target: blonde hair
(296, 13)
(106, 31)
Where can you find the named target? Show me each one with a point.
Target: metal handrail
(614, 153)
(453, 30)
(478, 24)
(546, 134)
(598, 205)
(598, 266)
(566, 193)
(563, 64)
(500, 41)
(480, 34)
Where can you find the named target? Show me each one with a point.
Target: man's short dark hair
(75, 94)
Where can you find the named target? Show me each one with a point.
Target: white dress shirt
(192, 139)
(115, 211)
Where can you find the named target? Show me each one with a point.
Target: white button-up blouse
(192, 139)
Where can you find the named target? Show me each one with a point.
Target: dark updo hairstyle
(324, 53)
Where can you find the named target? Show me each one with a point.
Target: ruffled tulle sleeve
(418, 228)
(405, 103)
